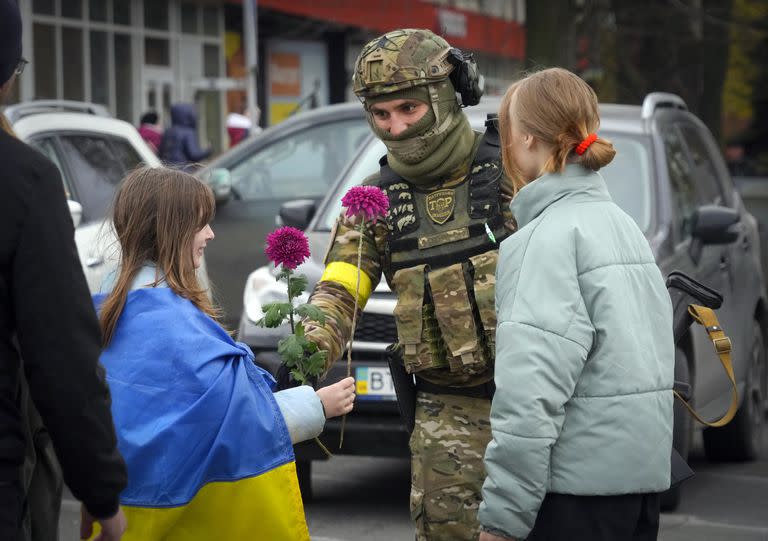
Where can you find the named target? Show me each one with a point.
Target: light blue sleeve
(302, 411)
(542, 342)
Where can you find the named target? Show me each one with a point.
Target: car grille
(376, 328)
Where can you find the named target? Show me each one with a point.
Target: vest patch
(440, 205)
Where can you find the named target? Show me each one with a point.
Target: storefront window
(211, 65)
(99, 68)
(208, 105)
(156, 14)
(44, 45)
(211, 21)
(72, 8)
(121, 12)
(72, 52)
(189, 18)
(157, 52)
(97, 10)
(43, 7)
(123, 77)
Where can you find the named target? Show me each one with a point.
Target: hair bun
(598, 154)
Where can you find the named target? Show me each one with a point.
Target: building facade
(139, 55)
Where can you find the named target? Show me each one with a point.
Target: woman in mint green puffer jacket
(582, 415)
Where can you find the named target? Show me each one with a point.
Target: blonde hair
(558, 108)
(156, 214)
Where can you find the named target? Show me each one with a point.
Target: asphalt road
(367, 498)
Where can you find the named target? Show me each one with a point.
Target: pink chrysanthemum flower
(287, 246)
(369, 202)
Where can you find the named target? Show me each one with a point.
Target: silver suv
(669, 176)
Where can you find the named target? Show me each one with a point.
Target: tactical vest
(440, 258)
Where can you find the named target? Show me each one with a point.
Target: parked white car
(93, 152)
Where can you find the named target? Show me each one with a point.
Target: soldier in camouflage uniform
(437, 249)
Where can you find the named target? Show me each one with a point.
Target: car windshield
(98, 165)
(628, 177)
(304, 163)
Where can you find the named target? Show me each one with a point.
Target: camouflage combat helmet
(401, 59)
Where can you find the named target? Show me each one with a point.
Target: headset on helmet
(465, 78)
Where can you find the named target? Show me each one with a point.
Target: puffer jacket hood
(179, 146)
(183, 114)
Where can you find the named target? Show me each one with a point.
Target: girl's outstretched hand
(338, 398)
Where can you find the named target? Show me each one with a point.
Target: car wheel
(304, 473)
(681, 431)
(742, 438)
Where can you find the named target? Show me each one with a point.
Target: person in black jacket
(48, 331)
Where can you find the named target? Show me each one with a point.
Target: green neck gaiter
(437, 147)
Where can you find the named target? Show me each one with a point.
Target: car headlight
(262, 288)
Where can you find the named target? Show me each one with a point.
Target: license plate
(374, 383)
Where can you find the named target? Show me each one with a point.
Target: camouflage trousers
(447, 472)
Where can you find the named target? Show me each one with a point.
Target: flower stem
(290, 301)
(323, 447)
(354, 320)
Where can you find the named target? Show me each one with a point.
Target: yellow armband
(345, 274)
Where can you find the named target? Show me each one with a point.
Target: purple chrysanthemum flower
(369, 202)
(287, 246)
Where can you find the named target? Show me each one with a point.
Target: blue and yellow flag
(207, 449)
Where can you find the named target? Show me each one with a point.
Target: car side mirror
(297, 213)
(220, 181)
(713, 224)
(76, 211)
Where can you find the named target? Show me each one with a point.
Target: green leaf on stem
(274, 314)
(297, 285)
(284, 274)
(298, 376)
(290, 350)
(298, 329)
(316, 363)
(308, 311)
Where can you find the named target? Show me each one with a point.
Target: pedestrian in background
(150, 131)
(207, 444)
(179, 146)
(239, 125)
(48, 333)
(582, 415)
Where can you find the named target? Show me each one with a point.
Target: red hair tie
(584, 145)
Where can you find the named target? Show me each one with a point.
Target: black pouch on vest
(405, 388)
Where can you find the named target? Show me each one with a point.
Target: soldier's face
(396, 116)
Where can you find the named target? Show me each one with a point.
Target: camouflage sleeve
(335, 293)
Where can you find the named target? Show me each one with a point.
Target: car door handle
(94, 261)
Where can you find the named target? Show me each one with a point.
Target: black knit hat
(10, 38)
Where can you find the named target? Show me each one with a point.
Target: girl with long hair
(207, 444)
(582, 415)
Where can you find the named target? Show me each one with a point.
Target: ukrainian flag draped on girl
(208, 452)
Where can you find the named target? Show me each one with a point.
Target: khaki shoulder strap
(706, 317)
